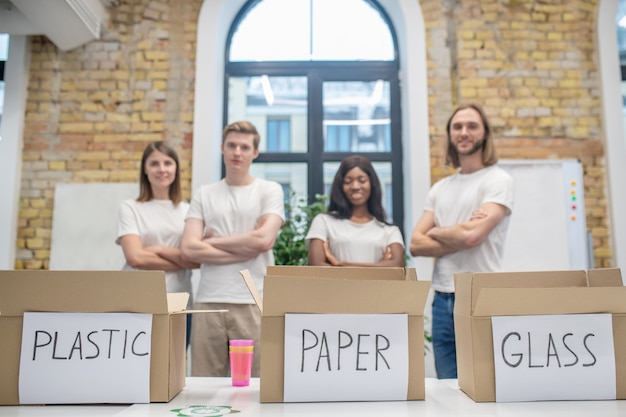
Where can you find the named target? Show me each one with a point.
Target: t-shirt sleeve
(273, 200)
(318, 229)
(394, 236)
(195, 207)
(501, 190)
(430, 197)
(127, 221)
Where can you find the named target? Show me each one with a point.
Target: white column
(613, 127)
(16, 82)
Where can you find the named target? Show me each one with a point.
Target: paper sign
(554, 357)
(73, 358)
(346, 357)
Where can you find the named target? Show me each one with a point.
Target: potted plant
(290, 248)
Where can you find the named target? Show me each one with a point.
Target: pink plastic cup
(241, 353)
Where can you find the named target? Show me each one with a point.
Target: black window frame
(318, 72)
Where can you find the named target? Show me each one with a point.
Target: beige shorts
(210, 333)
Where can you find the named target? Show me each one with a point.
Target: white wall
(613, 123)
(16, 82)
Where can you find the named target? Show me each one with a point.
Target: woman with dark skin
(354, 231)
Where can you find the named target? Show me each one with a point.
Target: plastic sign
(74, 358)
(346, 357)
(554, 357)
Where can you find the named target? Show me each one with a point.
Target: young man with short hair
(231, 226)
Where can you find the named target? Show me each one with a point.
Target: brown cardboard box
(101, 292)
(324, 290)
(479, 296)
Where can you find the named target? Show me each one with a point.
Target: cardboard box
(99, 292)
(479, 296)
(324, 290)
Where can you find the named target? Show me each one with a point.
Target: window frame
(318, 72)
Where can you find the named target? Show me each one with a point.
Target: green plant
(290, 248)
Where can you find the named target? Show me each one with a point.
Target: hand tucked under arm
(317, 255)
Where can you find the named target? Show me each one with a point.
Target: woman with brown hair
(150, 227)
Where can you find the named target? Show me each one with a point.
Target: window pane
(383, 170)
(302, 30)
(349, 30)
(621, 46)
(292, 176)
(4, 51)
(357, 116)
(621, 31)
(276, 105)
(4, 46)
(274, 30)
(278, 135)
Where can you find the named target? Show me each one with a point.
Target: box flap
(360, 273)
(535, 301)
(254, 291)
(470, 284)
(608, 277)
(91, 291)
(177, 301)
(284, 294)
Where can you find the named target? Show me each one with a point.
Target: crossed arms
(159, 257)
(431, 240)
(221, 250)
(320, 254)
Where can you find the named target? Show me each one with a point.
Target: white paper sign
(72, 358)
(346, 357)
(554, 357)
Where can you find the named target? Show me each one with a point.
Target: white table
(443, 399)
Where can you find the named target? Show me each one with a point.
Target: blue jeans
(444, 347)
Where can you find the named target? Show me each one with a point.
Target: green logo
(204, 411)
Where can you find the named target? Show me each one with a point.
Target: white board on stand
(548, 228)
(84, 225)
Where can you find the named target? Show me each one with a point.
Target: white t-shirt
(157, 222)
(354, 242)
(453, 199)
(231, 211)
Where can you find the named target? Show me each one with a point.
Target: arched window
(621, 44)
(319, 79)
(4, 47)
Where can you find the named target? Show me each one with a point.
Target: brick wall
(91, 111)
(532, 65)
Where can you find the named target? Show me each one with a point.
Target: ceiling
(67, 23)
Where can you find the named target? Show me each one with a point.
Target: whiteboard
(84, 225)
(547, 230)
